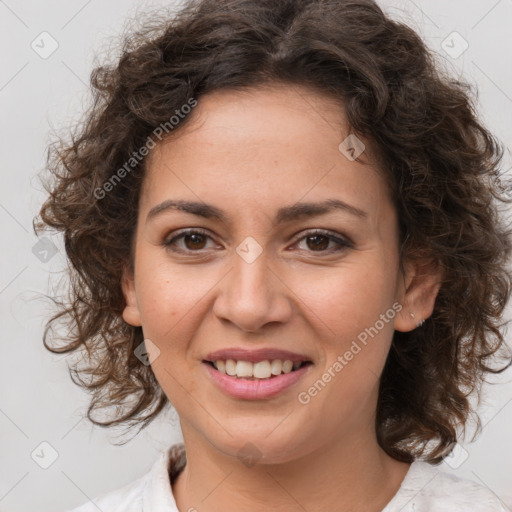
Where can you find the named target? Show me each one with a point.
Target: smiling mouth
(261, 370)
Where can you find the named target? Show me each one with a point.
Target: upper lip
(253, 356)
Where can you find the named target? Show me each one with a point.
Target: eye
(193, 239)
(318, 240)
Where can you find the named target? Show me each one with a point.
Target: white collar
(157, 494)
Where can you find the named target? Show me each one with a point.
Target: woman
(283, 220)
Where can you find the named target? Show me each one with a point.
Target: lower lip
(255, 389)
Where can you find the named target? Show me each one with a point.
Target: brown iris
(196, 240)
(323, 244)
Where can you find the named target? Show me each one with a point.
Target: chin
(262, 448)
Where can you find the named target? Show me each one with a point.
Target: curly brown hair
(442, 164)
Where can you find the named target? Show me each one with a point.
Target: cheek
(172, 300)
(159, 304)
(347, 300)
(353, 326)
(160, 310)
(353, 323)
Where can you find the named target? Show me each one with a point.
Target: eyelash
(344, 244)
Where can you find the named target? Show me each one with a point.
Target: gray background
(38, 401)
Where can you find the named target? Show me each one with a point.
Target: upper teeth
(259, 370)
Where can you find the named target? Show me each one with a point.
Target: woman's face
(257, 276)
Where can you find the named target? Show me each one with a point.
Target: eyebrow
(284, 214)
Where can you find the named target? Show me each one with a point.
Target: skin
(251, 153)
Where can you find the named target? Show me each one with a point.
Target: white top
(424, 489)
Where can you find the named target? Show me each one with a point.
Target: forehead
(263, 147)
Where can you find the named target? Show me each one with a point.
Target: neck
(353, 474)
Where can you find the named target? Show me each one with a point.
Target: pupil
(196, 239)
(319, 245)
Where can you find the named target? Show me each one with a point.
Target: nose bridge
(252, 294)
(251, 271)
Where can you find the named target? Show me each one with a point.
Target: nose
(253, 295)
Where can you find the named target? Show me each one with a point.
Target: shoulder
(426, 488)
(150, 492)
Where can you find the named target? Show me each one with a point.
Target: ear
(418, 291)
(131, 313)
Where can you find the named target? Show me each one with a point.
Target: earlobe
(421, 286)
(131, 313)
